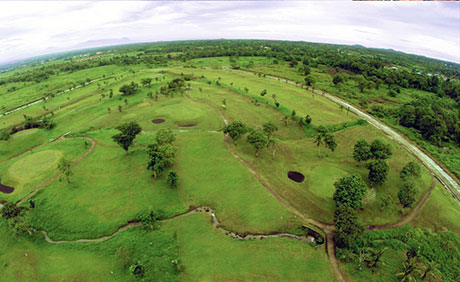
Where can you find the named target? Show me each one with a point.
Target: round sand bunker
(158, 120)
(296, 176)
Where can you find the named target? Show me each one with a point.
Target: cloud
(34, 28)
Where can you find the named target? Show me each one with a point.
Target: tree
(161, 153)
(338, 78)
(146, 81)
(362, 150)
(378, 171)
(4, 134)
(410, 268)
(258, 140)
(309, 80)
(263, 93)
(161, 157)
(307, 119)
(347, 227)
(329, 141)
(374, 256)
(165, 136)
(235, 130)
(319, 142)
(410, 171)
(380, 150)
(269, 128)
(64, 166)
(172, 179)
(406, 194)
(9, 210)
(350, 191)
(128, 133)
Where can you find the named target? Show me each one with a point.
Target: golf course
(187, 161)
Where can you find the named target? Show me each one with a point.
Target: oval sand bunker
(296, 176)
(187, 125)
(6, 189)
(158, 120)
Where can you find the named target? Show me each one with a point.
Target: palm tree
(375, 256)
(319, 142)
(428, 269)
(409, 270)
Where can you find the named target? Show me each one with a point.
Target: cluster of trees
(324, 138)
(258, 139)
(436, 119)
(45, 122)
(176, 85)
(17, 219)
(348, 197)
(376, 155)
(129, 89)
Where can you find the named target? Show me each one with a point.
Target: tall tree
(347, 227)
(235, 130)
(378, 171)
(160, 157)
(362, 150)
(329, 141)
(350, 191)
(269, 128)
(406, 194)
(411, 170)
(258, 140)
(128, 133)
(380, 150)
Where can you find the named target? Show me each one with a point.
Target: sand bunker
(187, 125)
(296, 176)
(6, 189)
(158, 120)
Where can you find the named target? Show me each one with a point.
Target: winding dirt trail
(214, 221)
(41, 186)
(437, 170)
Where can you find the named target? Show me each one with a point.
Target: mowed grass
(446, 209)
(101, 198)
(209, 255)
(108, 189)
(242, 108)
(33, 259)
(314, 195)
(20, 142)
(220, 181)
(321, 110)
(30, 170)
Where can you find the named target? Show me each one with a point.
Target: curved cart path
(439, 172)
(413, 213)
(214, 221)
(41, 186)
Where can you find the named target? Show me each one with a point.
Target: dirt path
(41, 186)
(442, 175)
(214, 221)
(413, 213)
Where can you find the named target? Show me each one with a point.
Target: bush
(4, 134)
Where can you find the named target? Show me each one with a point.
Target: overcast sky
(35, 28)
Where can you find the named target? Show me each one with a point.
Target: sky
(34, 28)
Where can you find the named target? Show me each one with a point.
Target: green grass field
(109, 188)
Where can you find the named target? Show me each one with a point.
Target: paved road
(452, 186)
